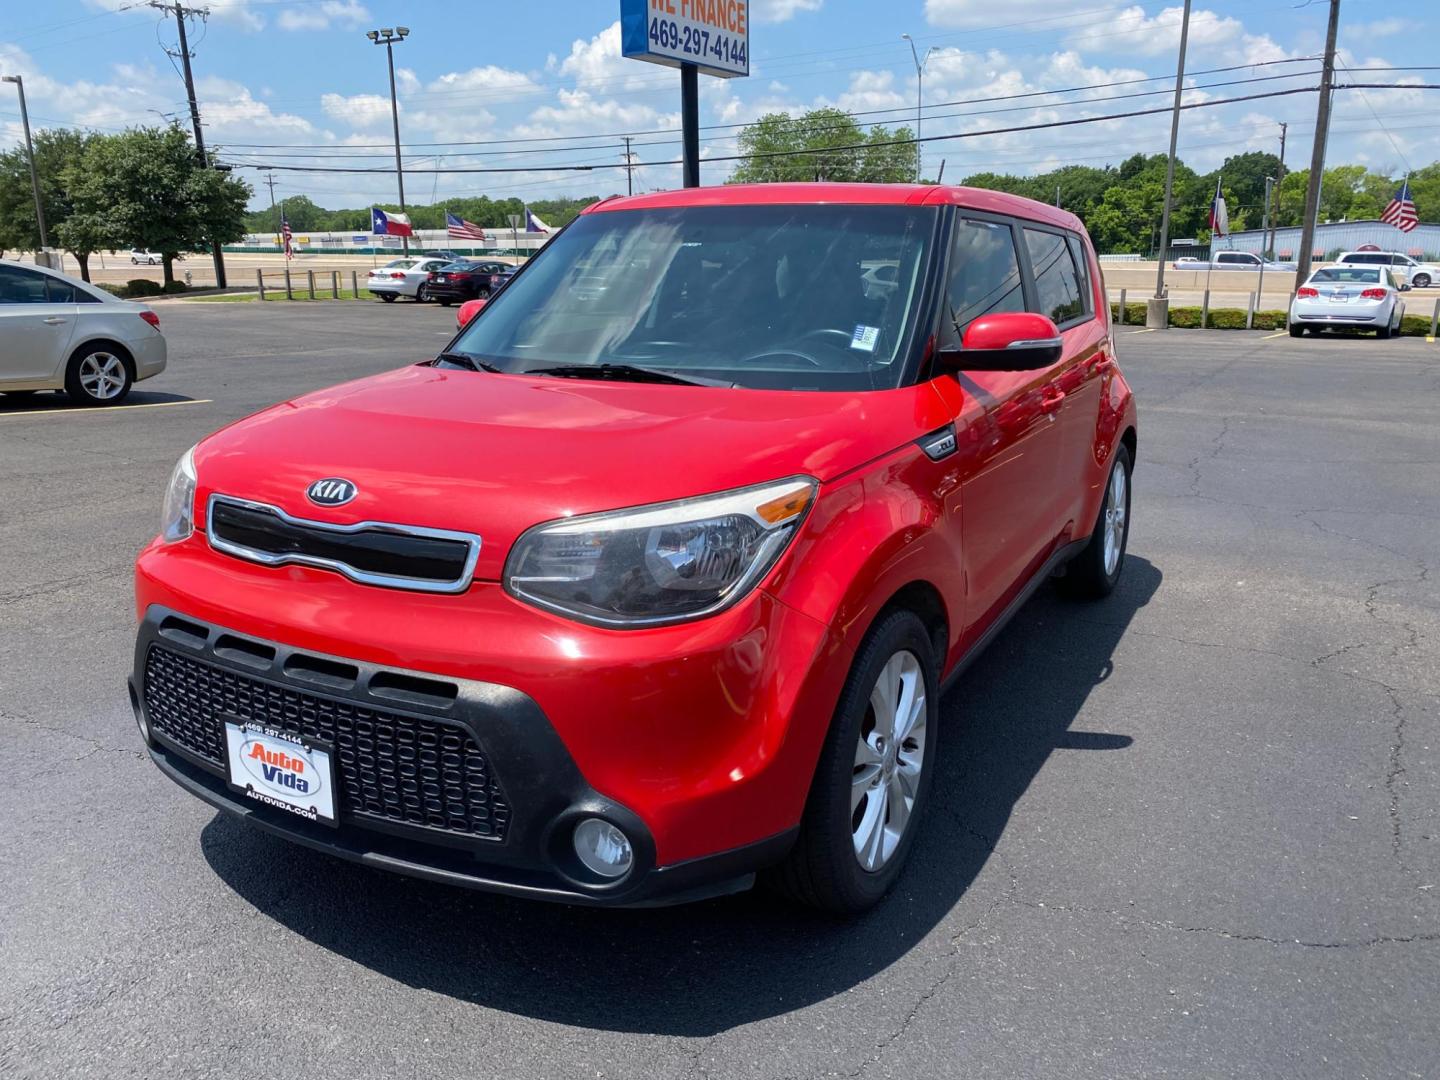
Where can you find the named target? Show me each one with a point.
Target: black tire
(422, 295)
(1296, 331)
(1086, 576)
(446, 303)
(1383, 332)
(388, 297)
(1420, 281)
(823, 870)
(75, 375)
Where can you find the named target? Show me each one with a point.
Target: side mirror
(468, 310)
(1012, 341)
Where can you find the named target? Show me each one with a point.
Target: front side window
(984, 273)
(59, 292)
(20, 286)
(776, 297)
(1057, 281)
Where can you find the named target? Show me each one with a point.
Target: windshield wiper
(624, 373)
(474, 363)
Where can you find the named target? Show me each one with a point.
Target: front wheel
(1420, 281)
(1093, 573)
(873, 778)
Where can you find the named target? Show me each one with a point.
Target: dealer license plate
(281, 770)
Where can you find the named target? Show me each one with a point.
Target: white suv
(1420, 275)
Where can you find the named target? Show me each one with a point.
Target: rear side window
(1057, 279)
(18, 286)
(59, 292)
(1082, 264)
(985, 272)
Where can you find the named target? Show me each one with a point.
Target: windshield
(1347, 273)
(807, 297)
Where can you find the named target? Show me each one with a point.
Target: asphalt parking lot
(1193, 831)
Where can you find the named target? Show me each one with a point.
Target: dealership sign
(713, 35)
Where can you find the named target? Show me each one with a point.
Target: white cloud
(869, 91)
(342, 13)
(778, 11)
(1133, 31)
(357, 110)
(598, 61)
(967, 14)
(234, 12)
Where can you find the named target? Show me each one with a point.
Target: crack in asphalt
(948, 967)
(46, 588)
(95, 746)
(1232, 935)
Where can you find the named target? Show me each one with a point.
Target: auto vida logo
(331, 491)
(279, 771)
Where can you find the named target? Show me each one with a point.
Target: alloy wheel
(889, 757)
(102, 375)
(1117, 508)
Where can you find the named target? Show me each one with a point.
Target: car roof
(995, 202)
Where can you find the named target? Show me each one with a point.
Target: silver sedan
(1364, 296)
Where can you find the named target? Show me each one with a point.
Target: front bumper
(544, 792)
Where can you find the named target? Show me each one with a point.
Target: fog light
(603, 848)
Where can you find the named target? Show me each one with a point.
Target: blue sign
(713, 35)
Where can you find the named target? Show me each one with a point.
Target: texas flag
(534, 224)
(389, 224)
(1219, 218)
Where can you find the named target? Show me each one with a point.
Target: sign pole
(690, 122)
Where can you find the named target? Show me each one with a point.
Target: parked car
(404, 277)
(148, 258)
(464, 280)
(1232, 260)
(1364, 296)
(628, 596)
(59, 333)
(1407, 271)
(501, 275)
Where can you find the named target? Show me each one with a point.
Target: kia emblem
(331, 491)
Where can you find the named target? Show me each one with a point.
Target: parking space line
(1147, 330)
(108, 408)
(1282, 333)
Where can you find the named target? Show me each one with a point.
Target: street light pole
(919, 99)
(1157, 313)
(30, 154)
(1264, 230)
(388, 37)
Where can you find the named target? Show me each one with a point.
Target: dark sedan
(466, 280)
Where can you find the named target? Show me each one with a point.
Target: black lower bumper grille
(403, 769)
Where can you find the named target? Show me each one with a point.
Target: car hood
(497, 454)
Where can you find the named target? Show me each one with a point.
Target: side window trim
(961, 214)
(1027, 269)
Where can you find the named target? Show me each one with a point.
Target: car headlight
(177, 520)
(659, 564)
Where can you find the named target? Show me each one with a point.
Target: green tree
(59, 153)
(150, 187)
(824, 144)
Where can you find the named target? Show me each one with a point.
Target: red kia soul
(652, 581)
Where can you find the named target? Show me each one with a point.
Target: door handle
(54, 320)
(1051, 398)
(1103, 365)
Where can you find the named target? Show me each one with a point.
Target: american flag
(460, 229)
(1401, 211)
(285, 235)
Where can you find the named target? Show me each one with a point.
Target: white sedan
(1363, 296)
(404, 277)
(58, 333)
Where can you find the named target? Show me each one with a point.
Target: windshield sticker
(865, 338)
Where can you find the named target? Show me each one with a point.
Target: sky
(296, 83)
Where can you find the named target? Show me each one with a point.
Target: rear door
(37, 320)
(1065, 292)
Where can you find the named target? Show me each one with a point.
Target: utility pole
(919, 99)
(1279, 175)
(181, 12)
(1157, 309)
(388, 37)
(34, 172)
(270, 182)
(629, 169)
(1317, 152)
